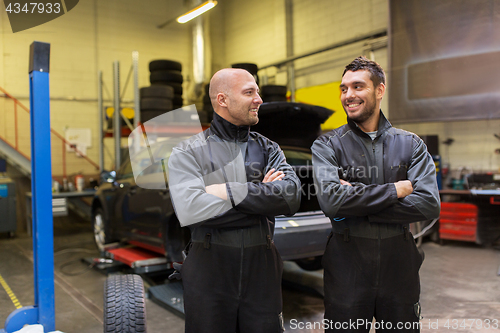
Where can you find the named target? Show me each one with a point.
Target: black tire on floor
(150, 114)
(176, 85)
(163, 104)
(124, 304)
(252, 68)
(101, 229)
(273, 90)
(310, 264)
(157, 91)
(171, 76)
(160, 65)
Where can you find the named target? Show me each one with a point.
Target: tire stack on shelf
(273, 93)
(168, 73)
(155, 100)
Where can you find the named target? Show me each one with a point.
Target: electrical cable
(80, 272)
(65, 264)
(73, 250)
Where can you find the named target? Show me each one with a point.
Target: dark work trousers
(229, 289)
(366, 278)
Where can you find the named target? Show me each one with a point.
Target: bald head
(235, 96)
(223, 80)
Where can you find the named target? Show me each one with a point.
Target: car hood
(291, 124)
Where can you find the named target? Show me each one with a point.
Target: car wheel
(177, 86)
(162, 64)
(310, 264)
(124, 304)
(157, 91)
(101, 230)
(177, 99)
(171, 76)
(155, 103)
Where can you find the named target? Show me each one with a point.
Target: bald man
(227, 184)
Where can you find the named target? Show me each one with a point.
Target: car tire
(101, 229)
(161, 65)
(157, 91)
(171, 76)
(124, 304)
(310, 264)
(177, 100)
(162, 104)
(177, 86)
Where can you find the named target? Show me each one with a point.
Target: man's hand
(403, 188)
(343, 182)
(271, 176)
(219, 190)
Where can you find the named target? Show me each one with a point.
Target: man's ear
(221, 99)
(380, 91)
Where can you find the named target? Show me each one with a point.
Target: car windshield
(297, 156)
(301, 161)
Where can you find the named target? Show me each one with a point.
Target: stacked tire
(155, 100)
(273, 93)
(168, 73)
(124, 304)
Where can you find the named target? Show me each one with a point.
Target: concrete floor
(459, 281)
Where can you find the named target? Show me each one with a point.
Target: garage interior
(104, 49)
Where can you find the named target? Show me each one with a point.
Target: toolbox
(458, 221)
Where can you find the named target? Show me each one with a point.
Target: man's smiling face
(360, 99)
(243, 100)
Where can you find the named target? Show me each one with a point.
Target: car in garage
(127, 212)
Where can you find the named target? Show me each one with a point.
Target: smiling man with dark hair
(373, 180)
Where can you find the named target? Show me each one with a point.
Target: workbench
(487, 203)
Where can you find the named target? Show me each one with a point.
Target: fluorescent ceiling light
(197, 11)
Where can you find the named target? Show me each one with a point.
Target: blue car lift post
(43, 312)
